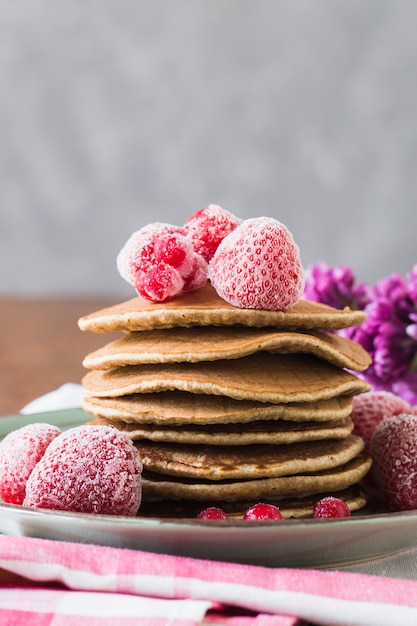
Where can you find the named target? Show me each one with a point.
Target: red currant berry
(331, 507)
(169, 250)
(212, 512)
(262, 511)
(159, 284)
(176, 250)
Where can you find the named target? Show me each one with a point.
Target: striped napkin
(45, 583)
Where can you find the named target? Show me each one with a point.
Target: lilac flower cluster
(389, 332)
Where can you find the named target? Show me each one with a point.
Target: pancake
(218, 463)
(262, 377)
(213, 343)
(204, 307)
(299, 508)
(263, 432)
(231, 406)
(159, 487)
(182, 408)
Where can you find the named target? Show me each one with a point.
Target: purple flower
(389, 332)
(335, 286)
(411, 329)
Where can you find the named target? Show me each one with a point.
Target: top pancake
(211, 343)
(204, 307)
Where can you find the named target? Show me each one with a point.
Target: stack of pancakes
(228, 406)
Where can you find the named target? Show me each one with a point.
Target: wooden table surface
(41, 346)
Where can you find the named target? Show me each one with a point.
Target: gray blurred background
(116, 114)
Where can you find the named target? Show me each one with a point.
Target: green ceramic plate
(290, 543)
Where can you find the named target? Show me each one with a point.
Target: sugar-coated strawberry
(262, 511)
(370, 408)
(212, 512)
(394, 452)
(87, 469)
(258, 266)
(20, 451)
(330, 506)
(208, 227)
(138, 252)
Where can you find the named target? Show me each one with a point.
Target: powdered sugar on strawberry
(258, 266)
(369, 409)
(394, 452)
(87, 469)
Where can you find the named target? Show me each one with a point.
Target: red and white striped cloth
(52, 583)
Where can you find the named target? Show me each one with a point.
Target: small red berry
(160, 262)
(212, 512)
(331, 507)
(262, 511)
(175, 250)
(160, 284)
